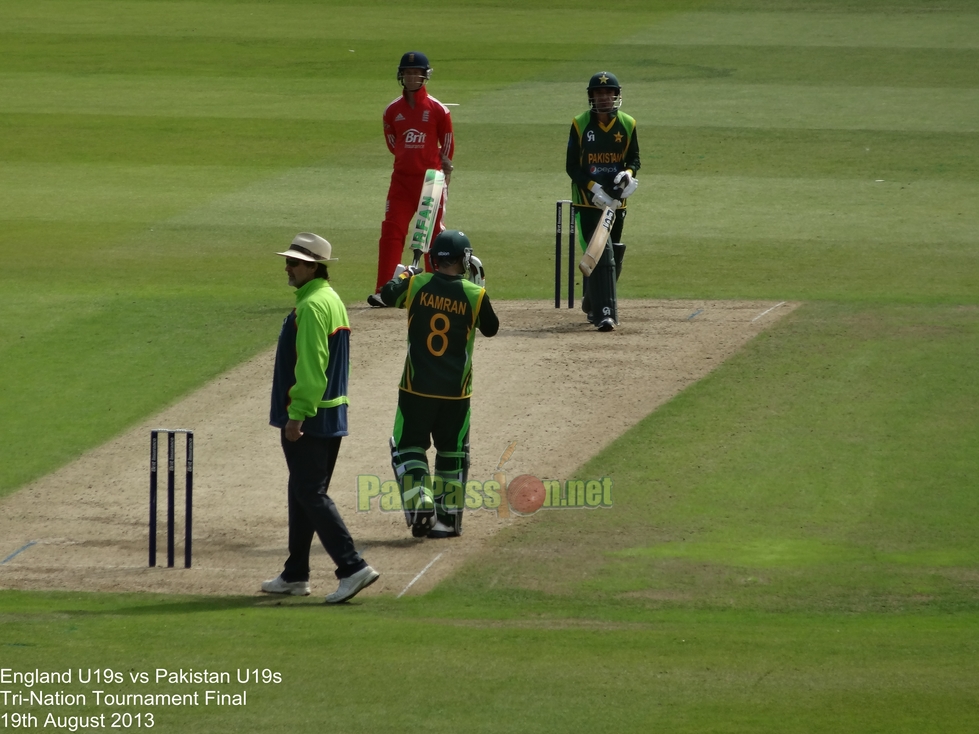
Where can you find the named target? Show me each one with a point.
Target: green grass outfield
(793, 545)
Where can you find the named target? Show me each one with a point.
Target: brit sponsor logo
(414, 138)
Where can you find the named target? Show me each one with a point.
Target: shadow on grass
(17, 604)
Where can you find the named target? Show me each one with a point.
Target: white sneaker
(374, 299)
(353, 585)
(278, 586)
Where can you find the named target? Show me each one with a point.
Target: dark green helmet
(605, 80)
(451, 245)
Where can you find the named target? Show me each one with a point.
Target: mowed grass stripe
(319, 22)
(87, 192)
(859, 66)
(811, 154)
(821, 28)
(858, 155)
(727, 103)
(481, 62)
(706, 103)
(846, 270)
(358, 60)
(179, 96)
(268, 143)
(870, 212)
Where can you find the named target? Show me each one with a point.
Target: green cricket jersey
(444, 312)
(596, 153)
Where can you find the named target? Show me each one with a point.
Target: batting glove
(477, 274)
(599, 197)
(625, 184)
(402, 271)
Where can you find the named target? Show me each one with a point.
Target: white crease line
(769, 310)
(420, 574)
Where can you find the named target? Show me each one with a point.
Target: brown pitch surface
(548, 381)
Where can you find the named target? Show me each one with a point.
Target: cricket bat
(424, 221)
(596, 245)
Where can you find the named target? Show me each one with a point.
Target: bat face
(421, 232)
(608, 219)
(428, 204)
(596, 245)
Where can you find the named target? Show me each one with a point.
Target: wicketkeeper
(603, 160)
(418, 131)
(444, 310)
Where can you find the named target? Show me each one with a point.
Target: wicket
(557, 252)
(189, 491)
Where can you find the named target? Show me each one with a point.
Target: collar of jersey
(611, 122)
(311, 287)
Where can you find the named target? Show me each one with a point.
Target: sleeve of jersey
(573, 163)
(632, 154)
(394, 291)
(389, 135)
(447, 140)
(487, 322)
(312, 357)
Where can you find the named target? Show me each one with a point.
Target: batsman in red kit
(418, 131)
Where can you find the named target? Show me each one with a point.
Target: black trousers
(312, 511)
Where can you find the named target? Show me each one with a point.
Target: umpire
(444, 310)
(309, 407)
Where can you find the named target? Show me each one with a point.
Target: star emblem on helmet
(603, 78)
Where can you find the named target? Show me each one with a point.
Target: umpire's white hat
(309, 247)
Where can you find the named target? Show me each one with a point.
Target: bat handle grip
(417, 258)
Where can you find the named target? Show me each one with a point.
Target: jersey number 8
(438, 331)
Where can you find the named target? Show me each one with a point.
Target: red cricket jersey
(418, 135)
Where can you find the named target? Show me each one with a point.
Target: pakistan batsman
(444, 310)
(603, 159)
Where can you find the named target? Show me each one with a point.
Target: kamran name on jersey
(605, 157)
(441, 303)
